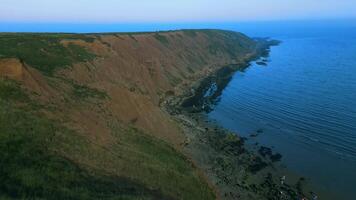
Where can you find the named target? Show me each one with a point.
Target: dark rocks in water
(253, 135)
(204, 97)
(259, 131)
(257, 165)
(314, 196)
(276, 157)
(261, 63)
(267, 152)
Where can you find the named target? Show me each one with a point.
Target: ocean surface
(304, 100)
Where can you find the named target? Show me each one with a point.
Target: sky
(134, 11)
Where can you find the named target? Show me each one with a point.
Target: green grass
(163, 39)
(11, 90)
(44, 51)
(190, 33)
(30, 167)
(39, 159)
(160, 166)
(229, 42)
(84, 92)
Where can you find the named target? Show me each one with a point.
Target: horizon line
(180, 22)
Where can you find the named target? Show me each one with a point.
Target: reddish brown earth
(137, 72)
(11, 68)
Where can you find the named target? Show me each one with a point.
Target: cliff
(85, 109)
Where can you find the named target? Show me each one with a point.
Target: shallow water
(305, 102)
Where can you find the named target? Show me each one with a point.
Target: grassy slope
(33, 164)
(44, 51)
(33, 148)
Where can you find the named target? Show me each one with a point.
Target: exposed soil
(11, 68)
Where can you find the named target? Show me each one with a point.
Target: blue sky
(133, 11)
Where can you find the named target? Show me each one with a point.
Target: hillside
(81, 115)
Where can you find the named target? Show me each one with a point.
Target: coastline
(121, 129)
(232, 168)
(168, 90)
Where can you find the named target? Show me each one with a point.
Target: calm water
(305, 101)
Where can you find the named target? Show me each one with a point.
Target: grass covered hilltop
(85, 116)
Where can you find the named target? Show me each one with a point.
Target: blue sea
(304, 99)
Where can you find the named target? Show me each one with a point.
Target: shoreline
(234, 170)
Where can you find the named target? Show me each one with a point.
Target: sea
(302, 101)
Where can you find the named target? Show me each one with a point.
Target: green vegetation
(230, 42)
(162, 39)
(158, 165)
(214, 48)
(84, 92)
(11, 90)
(31, 169)
(44, 51)
(39, 159)
(190, 33)
(133, 37)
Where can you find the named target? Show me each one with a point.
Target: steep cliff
(85, 109)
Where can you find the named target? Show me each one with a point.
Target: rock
(257, 165)
(260, 130)
(261, 63)
(265, 151)
(253, 134)
(276, 157)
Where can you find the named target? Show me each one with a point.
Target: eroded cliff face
(137, 71)
(108, 86)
